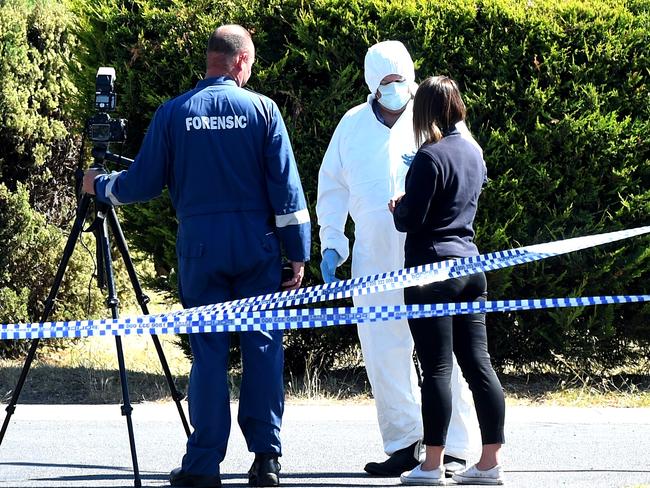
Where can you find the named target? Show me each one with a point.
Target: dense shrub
(31, 252)
(35, 147)
(37, 48)
(557, 93)
(39, 116)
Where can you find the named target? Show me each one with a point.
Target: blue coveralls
(225, 156)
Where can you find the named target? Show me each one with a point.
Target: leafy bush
(39, 110)
(31, 253)
(557, 95)
(36, 92)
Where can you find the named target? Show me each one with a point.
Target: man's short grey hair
(229, 40)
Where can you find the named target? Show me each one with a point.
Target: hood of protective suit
(387, 58)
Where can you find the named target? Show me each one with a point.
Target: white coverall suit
(364, 166)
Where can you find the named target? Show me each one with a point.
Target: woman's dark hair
(437, 108)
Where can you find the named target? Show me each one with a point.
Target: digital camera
(101, 128)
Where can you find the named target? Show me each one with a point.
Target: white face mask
(394, 95)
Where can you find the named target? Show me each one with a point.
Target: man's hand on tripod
(89, 180)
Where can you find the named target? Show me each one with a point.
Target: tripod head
(101, 153)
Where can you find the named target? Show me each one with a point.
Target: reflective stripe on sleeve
(295, 218)
(108, 193)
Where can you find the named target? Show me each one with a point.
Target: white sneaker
(418, 476)
(474, 476)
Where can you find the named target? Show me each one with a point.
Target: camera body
(101, 128)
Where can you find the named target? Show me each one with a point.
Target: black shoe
(398, 462)
(453, 465)
(265, 470)
(178, 478)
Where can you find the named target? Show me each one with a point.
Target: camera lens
(100, 132)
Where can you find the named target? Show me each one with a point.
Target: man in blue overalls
(225, 155)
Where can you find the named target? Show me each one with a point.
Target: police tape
(282, 319)
(266, 313)
(421, 275)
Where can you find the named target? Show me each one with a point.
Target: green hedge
(557, 94)
(37, 100)
(35, 143)
(32, 249)
(40, 117)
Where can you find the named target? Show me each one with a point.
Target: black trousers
(435, 338)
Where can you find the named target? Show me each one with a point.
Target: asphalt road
(324, 446)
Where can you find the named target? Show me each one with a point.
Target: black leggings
(435, 338)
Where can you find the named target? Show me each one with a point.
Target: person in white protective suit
(364, 166)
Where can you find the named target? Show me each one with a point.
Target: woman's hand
(392, 203)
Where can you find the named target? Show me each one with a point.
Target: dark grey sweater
(442, 189)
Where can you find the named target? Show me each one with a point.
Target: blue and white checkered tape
(266, 312)
(421, 275)
(282, 319)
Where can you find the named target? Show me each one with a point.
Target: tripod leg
(77, 227)
(112, 302)
(126, 410)
(143, 300)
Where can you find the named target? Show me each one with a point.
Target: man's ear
(242, 59)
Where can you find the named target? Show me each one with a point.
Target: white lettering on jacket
(216, 122)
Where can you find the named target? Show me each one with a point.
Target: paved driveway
(324, 446)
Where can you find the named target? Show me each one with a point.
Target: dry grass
(316, 385)
(553, 390)
(87, 372)
(565, 383)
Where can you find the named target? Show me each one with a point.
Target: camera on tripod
(101, 128)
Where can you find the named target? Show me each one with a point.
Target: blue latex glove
(328, 265)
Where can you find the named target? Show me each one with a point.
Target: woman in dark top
(437, 213)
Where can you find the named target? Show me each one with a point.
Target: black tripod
(105, 217)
